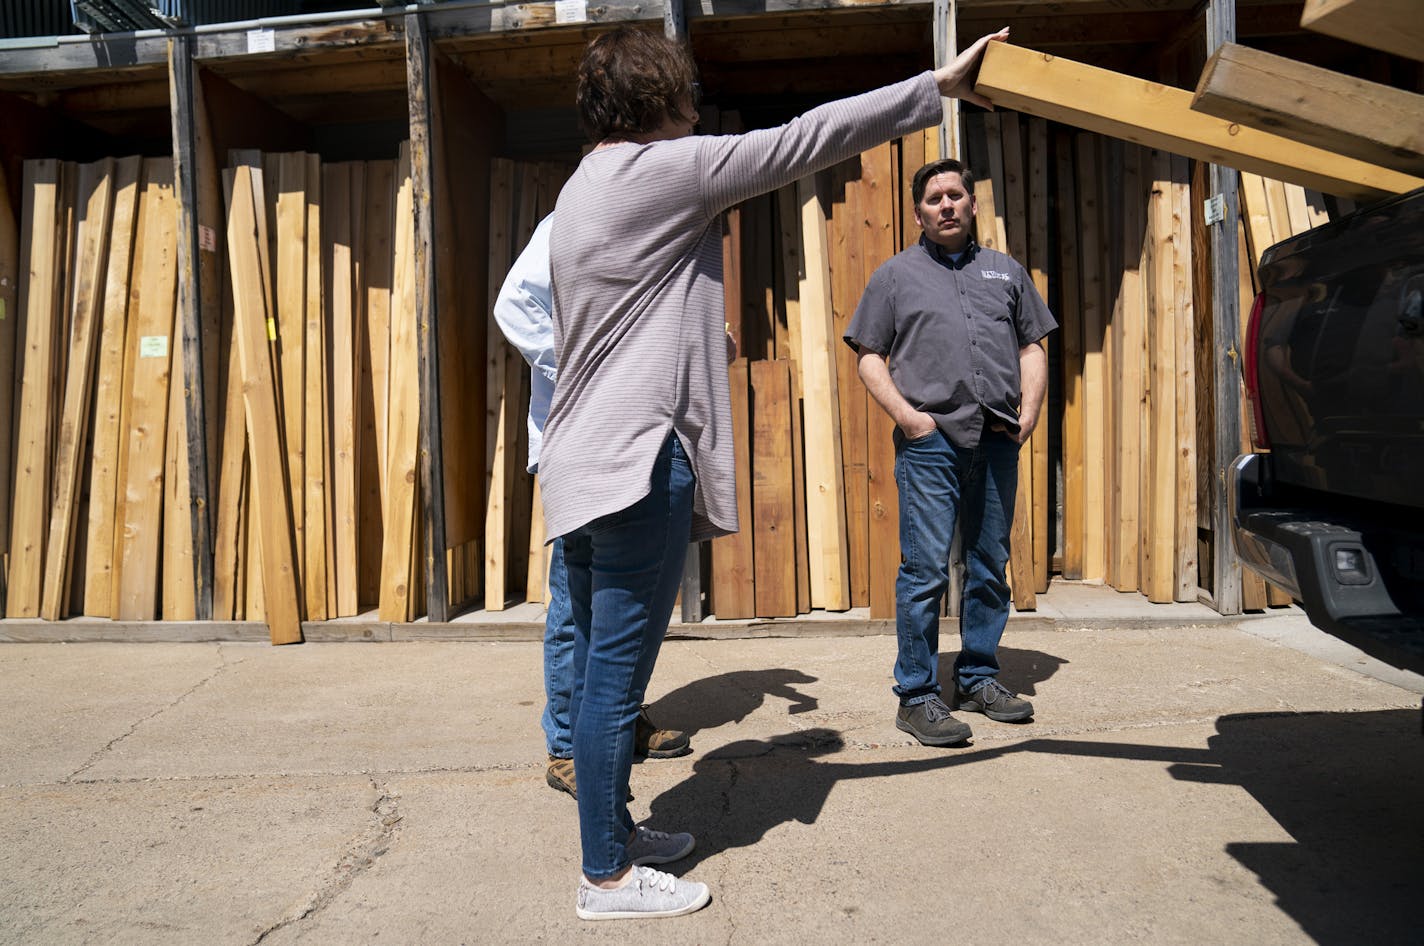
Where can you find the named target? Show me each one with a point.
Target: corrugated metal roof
(35, 18)
(20, 18)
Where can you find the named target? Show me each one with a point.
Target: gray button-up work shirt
(952, 333)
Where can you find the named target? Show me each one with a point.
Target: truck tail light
(1251, 372)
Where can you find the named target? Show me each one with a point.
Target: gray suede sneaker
(931, 724)
(658, 847)
(995, 701)
(648, 893)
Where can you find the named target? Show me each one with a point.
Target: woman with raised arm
(637, 457)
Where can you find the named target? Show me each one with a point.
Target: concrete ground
(1186, 780)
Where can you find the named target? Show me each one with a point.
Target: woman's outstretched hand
(956, 78)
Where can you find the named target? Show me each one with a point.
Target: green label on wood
(153, 346)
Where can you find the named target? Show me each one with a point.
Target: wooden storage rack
(404, 160)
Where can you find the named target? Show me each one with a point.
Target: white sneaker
(659, 847)
(648, 893)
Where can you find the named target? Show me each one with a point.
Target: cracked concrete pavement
(1209, 783)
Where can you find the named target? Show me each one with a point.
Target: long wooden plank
(1009, 183)
(733, 556)
(1093, 323)
(342, 198)
(1185, 402)
(1130, 362)
(96, 192)
(9, 318)
(847, 284)
(878, 200)
(788, 222)
(1070, 334)
(311, 493)
(253, 318)
(1376, 123)
(38, 268)
(825, 488)
(229, 537)
(152, 305)
(198, 182)
(499, 416)
(1110, 178)
(1160, 116)
(1039, 254)
(289, 272)
(772, 519)
(374, 335)
(1392, 25)
(179, 598)
(1160, 583)
(398, 545)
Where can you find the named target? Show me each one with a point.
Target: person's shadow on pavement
(730, 698)
(738, 793)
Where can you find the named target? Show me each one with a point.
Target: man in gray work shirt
(949, 335)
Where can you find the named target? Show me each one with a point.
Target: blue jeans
(558, 658)
(624, 571)
(939, 483)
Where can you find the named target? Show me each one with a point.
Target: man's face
(946, 212)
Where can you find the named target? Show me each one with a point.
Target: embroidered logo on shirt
(990, 274)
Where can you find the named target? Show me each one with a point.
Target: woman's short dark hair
(936, 168)
(630, 80)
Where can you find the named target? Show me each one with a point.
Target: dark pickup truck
(1331, 506)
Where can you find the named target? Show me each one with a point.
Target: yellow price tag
(271, 330)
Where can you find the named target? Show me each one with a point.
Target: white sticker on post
(570, 11)
(261, 41)
(153, 346)
(207, 239)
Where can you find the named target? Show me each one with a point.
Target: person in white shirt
(524, 312)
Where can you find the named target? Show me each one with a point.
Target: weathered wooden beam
(1160, 116)
(198, 301)
(1375, 123)
(423, 171)
(1392, 25)
(1222, 184)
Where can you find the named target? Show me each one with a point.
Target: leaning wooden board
(31, 488)
(96, 185)
(272, 518)
(108, 387)
(152, 306)
(9, 318)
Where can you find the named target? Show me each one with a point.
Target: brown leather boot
(658, 743)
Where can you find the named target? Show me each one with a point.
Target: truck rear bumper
(1339, 567)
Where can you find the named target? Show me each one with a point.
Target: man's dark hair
(630, 80)
(935, 168)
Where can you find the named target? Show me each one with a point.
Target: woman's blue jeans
(940, 483)
(624, 570)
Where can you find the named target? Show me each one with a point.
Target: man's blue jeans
(624, 570)
(939, 483)
(558, 658)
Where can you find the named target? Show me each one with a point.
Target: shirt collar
(942, 255)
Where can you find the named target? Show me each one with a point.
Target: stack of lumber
(1010, 156)
(94, 424)
(317, 505)
(1126, 306)
(815, 459)
(515, 562)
